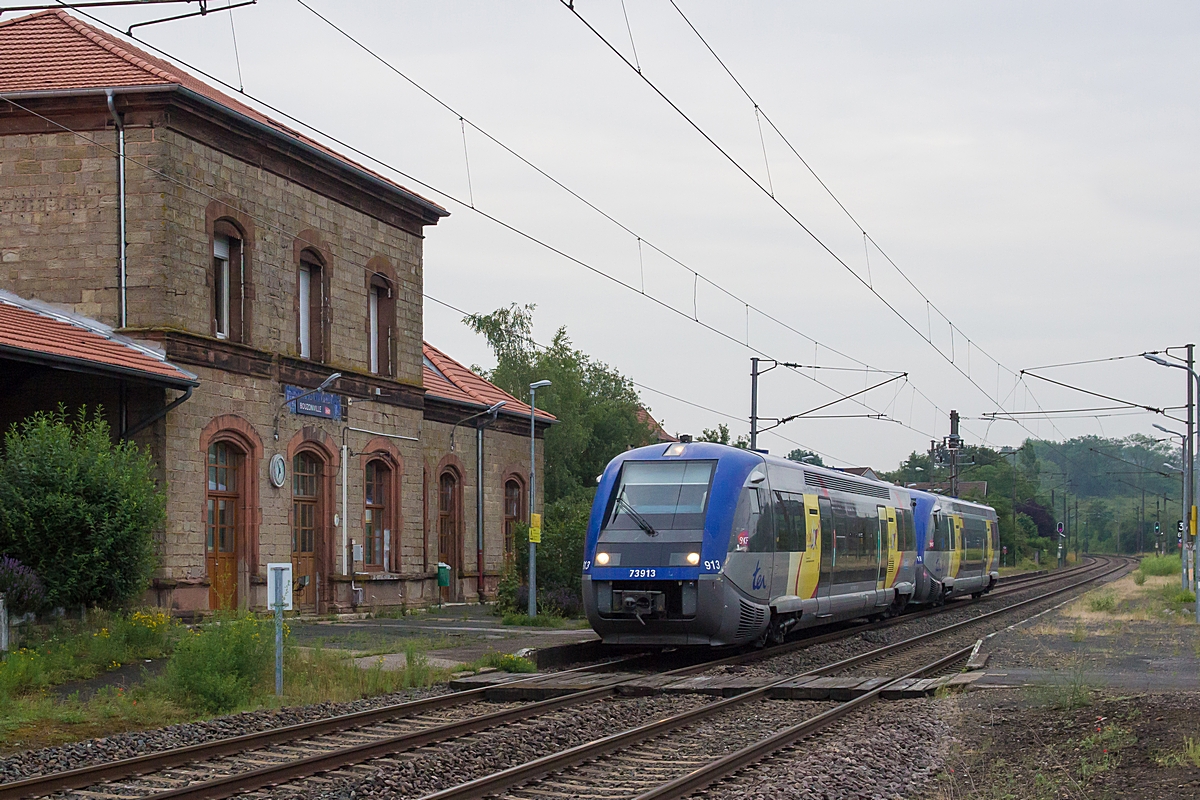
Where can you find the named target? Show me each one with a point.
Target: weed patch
(1160, 565)
(1102, 601)
(221, 666)
(1187, 756)
(506, 662)
(540, 621)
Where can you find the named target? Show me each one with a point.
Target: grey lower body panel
(723, 616)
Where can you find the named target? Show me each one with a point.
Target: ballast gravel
(820, 655)
(889, 751)
(445, 764)
(136, 743)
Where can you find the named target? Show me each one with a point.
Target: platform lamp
(533, 387)
(325, 384)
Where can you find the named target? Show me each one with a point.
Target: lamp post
(533, 387)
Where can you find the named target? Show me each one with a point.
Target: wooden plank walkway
(543, 687)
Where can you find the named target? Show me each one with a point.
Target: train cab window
(666, 495)
(789, 522)
(752, 528)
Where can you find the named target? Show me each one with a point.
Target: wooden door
(221, 542)
(306, 530)
(449, 544)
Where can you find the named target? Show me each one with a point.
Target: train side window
(905, 535)
(789, 522)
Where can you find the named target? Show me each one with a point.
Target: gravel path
(136, 743)
(888, 751)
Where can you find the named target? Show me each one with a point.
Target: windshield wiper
(638, 518)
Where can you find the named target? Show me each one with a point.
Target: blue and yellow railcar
(696, 543)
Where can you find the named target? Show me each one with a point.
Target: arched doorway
(377, 481)
(308, 529)
(449, 529)
(223, 503)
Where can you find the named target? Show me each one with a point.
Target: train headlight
(602, 558)
(693, 558)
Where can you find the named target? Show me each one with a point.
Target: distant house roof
(447, 379)
(656, 430)
(53, 52)
(862, 472)
(36, 332)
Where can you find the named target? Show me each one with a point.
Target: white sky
(1032, 167)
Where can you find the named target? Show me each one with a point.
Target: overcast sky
(1031, 167)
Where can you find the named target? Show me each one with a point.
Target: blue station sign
(320, 404)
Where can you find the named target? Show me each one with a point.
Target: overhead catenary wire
(531, 237)
(929, 304)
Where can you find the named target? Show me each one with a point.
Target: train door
(956, 546)
(808, 576)
(993, 541)
(889, 553)
(828, 558)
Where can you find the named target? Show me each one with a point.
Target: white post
(279, 572)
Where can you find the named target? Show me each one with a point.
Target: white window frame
(373, 326)
(221, 290)
(305, 311)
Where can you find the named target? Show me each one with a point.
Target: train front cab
(673, 586)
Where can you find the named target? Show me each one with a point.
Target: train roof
(707, 450)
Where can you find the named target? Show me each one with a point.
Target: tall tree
(596, 406)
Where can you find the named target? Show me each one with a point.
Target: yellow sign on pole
(535, 528)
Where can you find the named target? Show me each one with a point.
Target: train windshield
(661, 495)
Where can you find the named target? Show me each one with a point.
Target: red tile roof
(53, 51)
(656, 430)
(33, 331)
(447, 379)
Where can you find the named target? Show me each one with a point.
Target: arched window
(307, 528)
(228, 281)
(449, 502)
(310, 305)
(381, 316)
(514, 512)
(376, 532)
(220, 546)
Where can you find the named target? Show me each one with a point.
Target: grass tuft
(540, 621)
(506, 662)
(1139, 577)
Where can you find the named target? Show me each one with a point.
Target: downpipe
(123, 311)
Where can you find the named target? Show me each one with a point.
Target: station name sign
(320, 404)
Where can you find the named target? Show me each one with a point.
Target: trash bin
(443, 574)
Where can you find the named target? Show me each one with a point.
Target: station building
(170, 220)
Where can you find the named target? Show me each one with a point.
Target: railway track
(226, 767)
(671, 758)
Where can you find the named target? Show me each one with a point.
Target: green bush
(1161, 565)
(1104, 601)
(223, 665)
(559, 560)
(78, 509)
(1139, 577)
(1177, 595)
